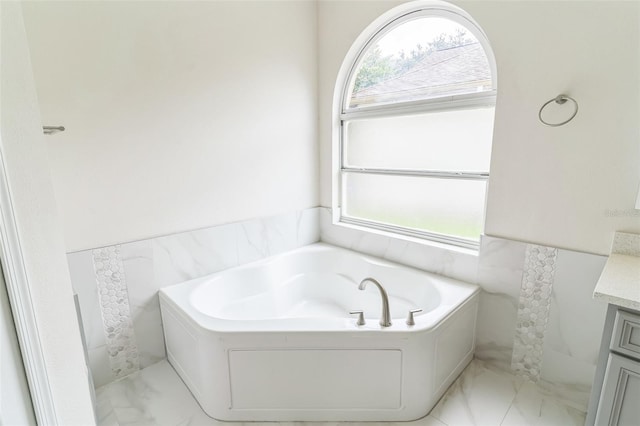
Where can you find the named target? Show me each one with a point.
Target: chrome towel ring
(560, 99)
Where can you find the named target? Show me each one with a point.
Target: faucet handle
(360, 317)
(410, 320)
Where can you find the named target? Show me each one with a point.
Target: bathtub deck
(482, 395)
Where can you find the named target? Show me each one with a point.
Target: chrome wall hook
(50, 130)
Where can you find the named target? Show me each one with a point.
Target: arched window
(416, 107)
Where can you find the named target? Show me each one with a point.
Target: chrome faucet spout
(385, 319)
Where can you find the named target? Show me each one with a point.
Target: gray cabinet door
(620, 398)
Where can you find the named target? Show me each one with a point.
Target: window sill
(406, 238)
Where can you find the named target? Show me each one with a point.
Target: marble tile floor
(483, 395)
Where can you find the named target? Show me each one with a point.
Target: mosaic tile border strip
(533, 310)
(116, 314)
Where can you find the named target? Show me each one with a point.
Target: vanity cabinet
(615, 398)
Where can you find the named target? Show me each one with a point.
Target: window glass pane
(420, 59)
(444, 206)
(441, 141)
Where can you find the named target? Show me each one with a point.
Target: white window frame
(343, 114)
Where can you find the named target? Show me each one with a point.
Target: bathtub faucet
(385, 319)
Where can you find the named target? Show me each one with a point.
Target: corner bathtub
(273, 340)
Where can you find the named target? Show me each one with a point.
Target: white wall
(567, 187)
(38, 258)
(555, 185)
(179, 115)
(170, 129)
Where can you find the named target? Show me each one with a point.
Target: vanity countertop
(619, 283)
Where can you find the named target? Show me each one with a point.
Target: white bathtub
(273, 340)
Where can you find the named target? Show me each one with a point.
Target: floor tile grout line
(508, 409)
(443, 422)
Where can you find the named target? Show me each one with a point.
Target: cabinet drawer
(626, 334)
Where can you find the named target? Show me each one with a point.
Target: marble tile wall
(574, 327)
(459, 264)
(569, 327)
(141, 268)
(566, 329)
(500, 271)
